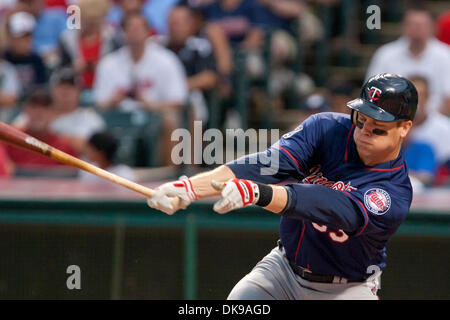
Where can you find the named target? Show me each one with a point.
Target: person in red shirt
(39, 112)
(443, 27)
(82, 49)
(6, 167)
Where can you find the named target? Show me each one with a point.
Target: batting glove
(165, 194)
(236, 193)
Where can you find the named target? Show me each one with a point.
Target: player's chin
(365, 147)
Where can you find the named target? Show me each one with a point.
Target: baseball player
(352, 192)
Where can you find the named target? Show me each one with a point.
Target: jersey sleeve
(300, 145)
(287, 159)
(323, 205)
(369, 210)
(383, 207)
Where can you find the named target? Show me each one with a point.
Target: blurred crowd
(63, 69)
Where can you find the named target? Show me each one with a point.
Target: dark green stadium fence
(420, 225)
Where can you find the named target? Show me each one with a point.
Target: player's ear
(404, 127)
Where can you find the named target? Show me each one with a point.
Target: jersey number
(339, 236)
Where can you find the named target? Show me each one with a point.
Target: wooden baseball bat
(18, 138)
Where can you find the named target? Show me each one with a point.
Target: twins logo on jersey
(316, 177)
(377, 201)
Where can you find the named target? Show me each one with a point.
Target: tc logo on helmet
(377, 201)
(374, 94)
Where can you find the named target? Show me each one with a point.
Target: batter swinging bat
(18, 138)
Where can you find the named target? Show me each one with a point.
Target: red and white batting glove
(236, 193)
(164, 195)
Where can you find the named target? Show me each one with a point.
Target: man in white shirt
(101, 150)
(430, 127)
(72, 121)
(143, 75)
(9, 84)
(418, 52)
(9, 89)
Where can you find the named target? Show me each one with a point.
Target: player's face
(376, 139)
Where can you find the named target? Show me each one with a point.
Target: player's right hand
(165, 195)
(236, 193)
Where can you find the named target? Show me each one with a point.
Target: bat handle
(68, 159)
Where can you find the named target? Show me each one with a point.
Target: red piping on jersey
(348, 139)
(300, 241)
(373, 169)
(365, 213)
(290, 155)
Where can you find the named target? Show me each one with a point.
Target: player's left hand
(164, 197)
(236, 193)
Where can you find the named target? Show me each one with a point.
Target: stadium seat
(137, 133)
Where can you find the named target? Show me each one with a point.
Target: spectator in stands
(101, 151)
(421, 161)
(156, 12)
(239, 19)
(194, 52)
(122, 8)
(196, 55)
(6, 166)
(39, 113)
(34, 7)
(280, 14)
(443, 27)
(420, 152)
(9, 85)
(418, 52)
(29, 66)
(219, 43)
(82, 49)
(143, 75)
(116, 15)
(51, 22)
(315, 103)
(430, 127)
(340, 94)
(72, 121)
